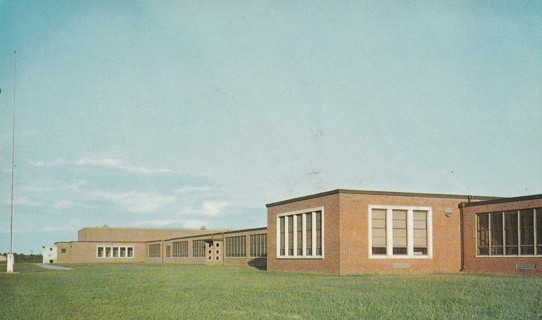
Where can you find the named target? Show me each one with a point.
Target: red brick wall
(331, 261)
(355, 235)
(346, 235)
(495, 264)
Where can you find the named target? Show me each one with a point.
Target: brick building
(503, 236)
(345, 232)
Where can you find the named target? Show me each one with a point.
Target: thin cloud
(104, 163)
(208, 208)
(134, 201)
(191, 189)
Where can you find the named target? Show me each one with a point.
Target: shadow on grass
(258, 263)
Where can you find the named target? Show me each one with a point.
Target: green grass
(146, 291)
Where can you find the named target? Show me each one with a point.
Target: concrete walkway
(52, 266)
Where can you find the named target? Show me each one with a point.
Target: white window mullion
(313, 216)
(304, 233)
(389, 233)
(410, 232)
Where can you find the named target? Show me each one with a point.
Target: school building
(345, 232)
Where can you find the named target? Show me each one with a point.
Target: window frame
(410, 232)
(126, 249)
(535, 211)
(290, 215)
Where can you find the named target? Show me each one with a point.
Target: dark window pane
(496, 235)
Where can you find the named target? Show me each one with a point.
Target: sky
(183, 114)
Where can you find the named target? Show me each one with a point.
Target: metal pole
(10, 257)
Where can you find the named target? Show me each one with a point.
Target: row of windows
(258, 245)
(399, 231)
(180, 249)
(198, 249)
(154, 250)
(512, 233)
(236, 247)
(113, 252)
(300, 234)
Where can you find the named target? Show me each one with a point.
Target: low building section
(503, 236)
(354, 232)
(237, 247)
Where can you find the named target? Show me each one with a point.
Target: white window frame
(410, 234)
(290, 215)
(118, 251)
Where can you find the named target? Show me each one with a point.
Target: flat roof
(210, 234)
(381, 193)
(504, 200)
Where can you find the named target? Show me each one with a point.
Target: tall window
(291, 236)
(420, 232)
(397, 231)
(379, 231)
(198, 248)
(483, 234)
(282, 228)
(300, 234)
(538, 231)
(495, 233)
(509, 233)
(180, 249)
(299, 237)
(526, 232)
(318, 226)
(258, 245)
(236, 247)
(154, 250)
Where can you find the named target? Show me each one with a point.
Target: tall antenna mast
(10, 256)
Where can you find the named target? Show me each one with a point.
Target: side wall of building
(354, 235)
(496, 264)
(330, 261)
(87, 252)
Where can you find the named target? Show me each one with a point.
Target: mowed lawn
(146, 291)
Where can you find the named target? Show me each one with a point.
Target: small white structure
(49, 254)
(11, 260)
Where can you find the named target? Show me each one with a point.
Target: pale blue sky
(190, 113)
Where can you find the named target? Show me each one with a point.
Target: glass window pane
(496, 235)
(399, 232)
(511, 232)
(378, 225)
(483, 234)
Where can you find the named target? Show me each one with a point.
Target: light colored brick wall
(135, 234)
(495, 264)
(85, 252)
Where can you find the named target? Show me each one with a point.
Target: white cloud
(208, 208)
(191, 189)
(134, 201)
(102, 162)
(194, 224)
(158, 223)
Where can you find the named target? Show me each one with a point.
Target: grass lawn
(146, 291)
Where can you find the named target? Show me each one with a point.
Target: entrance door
(213, 252)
